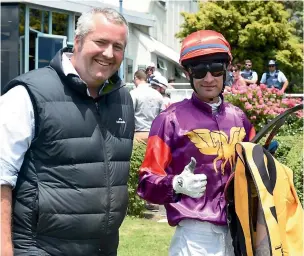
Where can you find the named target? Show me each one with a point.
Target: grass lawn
(143, 237)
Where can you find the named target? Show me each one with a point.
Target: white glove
(188, 183)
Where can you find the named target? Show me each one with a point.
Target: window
(47, 47)
(76, 20)
(60, 24)
(128, 70)
(161, 64)
(39, 20)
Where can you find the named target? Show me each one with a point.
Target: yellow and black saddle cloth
(264, 212)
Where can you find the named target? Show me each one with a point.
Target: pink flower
(249, 95)
(253, 86)
(248, 106)
(263, 86)
(253, 117)
(234, 90)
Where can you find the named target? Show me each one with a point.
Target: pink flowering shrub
(261, 104)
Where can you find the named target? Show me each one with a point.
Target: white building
(159, 40)
(30, 27)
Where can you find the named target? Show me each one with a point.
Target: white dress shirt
(17, 127)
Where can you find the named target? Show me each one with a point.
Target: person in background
(238, 80)
(250, 76)
(274, 77)
(229, 76)
(190, 151)
(66, 141)
(147, 104)
(160, 84)
(151, 71)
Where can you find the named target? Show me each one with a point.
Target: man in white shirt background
(274, 77)
(147, 104)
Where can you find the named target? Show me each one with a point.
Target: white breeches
(196, 238)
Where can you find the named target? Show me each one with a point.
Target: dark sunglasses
(249, 65)
(201, 70)
(271, 66)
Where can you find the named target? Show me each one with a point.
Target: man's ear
(77, 43)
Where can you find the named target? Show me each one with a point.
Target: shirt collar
(206, 107)
(68, 68)
(67, 65)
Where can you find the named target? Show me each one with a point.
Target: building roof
(82, 6)
(153, 45)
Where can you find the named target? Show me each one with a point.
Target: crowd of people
(67, 136)
(241, 77)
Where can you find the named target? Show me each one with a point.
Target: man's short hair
(141, 75)
(246, 61)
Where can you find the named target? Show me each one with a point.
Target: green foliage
(292, 126)
(256, 30)
(136, 205)
(290, 153)
(295, 8)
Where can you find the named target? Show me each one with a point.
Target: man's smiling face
(99, 54)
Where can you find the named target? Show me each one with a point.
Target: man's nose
(208, 78)
(108, 51)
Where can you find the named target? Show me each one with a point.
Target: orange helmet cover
(204, 42)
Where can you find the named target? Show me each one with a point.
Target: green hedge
(136, 205)
(290, 153)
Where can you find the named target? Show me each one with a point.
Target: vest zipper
(106, 168)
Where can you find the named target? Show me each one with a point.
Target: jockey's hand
(188, 183)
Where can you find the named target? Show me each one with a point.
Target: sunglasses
(271, 66)
(248, 65)
(201, 70)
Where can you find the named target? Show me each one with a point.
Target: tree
(256, 30)
(295, 9)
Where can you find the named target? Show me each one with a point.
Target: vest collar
(112, 84)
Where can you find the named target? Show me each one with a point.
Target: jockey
(190, 151)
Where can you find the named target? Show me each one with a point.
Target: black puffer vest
(71, 194)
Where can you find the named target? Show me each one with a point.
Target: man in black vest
(250, 76)
(68, 134)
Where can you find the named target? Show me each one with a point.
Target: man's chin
(104, 76)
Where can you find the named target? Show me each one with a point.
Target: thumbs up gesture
(188, 183)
